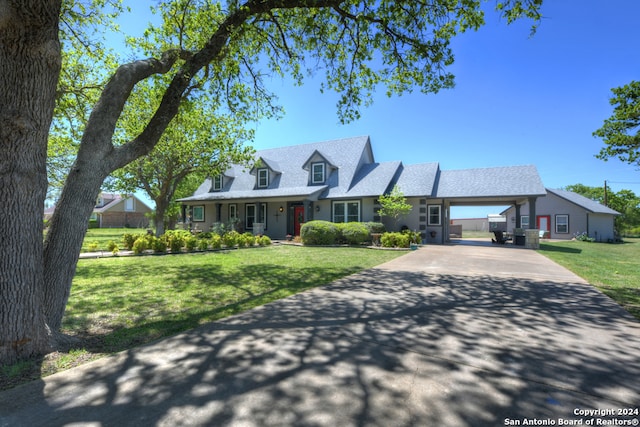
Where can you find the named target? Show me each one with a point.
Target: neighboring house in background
(116, 211)
(340, 181)
(564, 214)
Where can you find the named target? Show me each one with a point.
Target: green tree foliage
(623, 201)
(621, 131)
(86, 64)
(394, 205)
(196, 144)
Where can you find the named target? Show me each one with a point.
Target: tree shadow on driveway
(378, 348)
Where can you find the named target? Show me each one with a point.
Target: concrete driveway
(456, 335)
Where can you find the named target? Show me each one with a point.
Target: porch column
(446, 222)
(307, 210)
(532, 212)
(518, 219)
(218, 212)
(258, 211)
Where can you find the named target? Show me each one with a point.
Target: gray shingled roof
(373, 179)
(292, 180)
(490, 182)
(356, 174)
(582, 201)
(418, 180)
(257, 194)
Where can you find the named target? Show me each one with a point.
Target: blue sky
(517, 100)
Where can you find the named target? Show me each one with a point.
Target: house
(340, 181)
(115, 210)
(563, 214)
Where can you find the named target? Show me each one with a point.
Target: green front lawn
(120, 302)
(612, 268)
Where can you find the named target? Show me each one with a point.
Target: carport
(501, 186)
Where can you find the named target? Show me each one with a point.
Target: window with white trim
(197, 213)
(524, 221)
(317, 173)
(562, 224)
(129, 204)
(347, 211)
(434, 215)
(217, 183)
(251, 215)
(263, 178)
(233, 211)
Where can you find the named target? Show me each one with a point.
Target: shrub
(264, 241)
(354, 233)
(218, 228)
(203, 244)
(191, 243)
(230, 238)
(414, 236)
(584, 237)
(375, 227)
(319, 233)
(158, 245)
(182, 233)
(129, 239)
(204, 235)
(93, 246)
(216, 241)
(140, 245)
(176, 243)
(395, 240)
(248, 239)
(112, 245)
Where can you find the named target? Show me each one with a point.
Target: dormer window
(217, 183)
(317, 173)
(263, 178)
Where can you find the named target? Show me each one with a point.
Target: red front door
(298, 219)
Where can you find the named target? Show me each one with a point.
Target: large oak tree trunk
(64, 240)
(29, 69)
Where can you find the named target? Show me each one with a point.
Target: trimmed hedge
(319, 233)
(375, 227)
(395, 240)
(354, 233)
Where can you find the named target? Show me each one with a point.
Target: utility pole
(605, 193)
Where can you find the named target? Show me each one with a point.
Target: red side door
(543, 222)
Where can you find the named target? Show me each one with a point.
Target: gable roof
(516, 181)
(418, 180)
(373, 179)
(584, 202)
(347, 155)
(111, 200)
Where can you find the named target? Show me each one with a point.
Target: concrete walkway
(456, 335)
